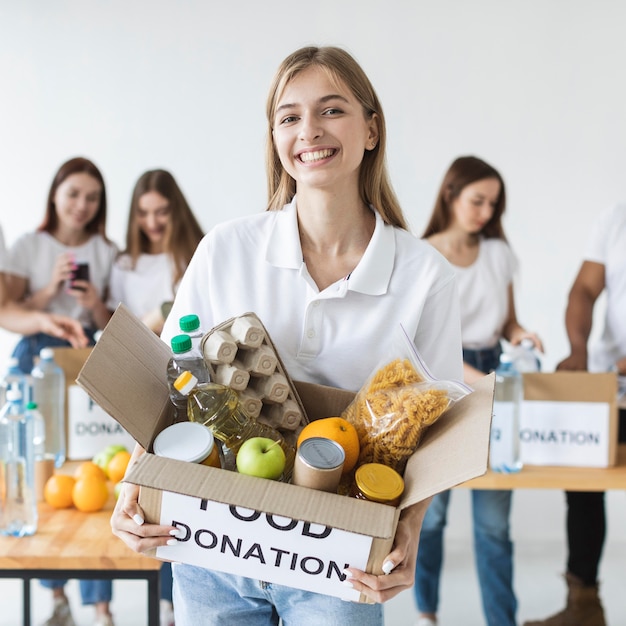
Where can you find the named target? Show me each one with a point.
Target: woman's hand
(64, 328)
(128, 523)
(61, 272)
(399, 564)
(519, 333)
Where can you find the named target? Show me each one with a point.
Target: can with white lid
(187, 441)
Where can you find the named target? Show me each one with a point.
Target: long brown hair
(184, 231)
(463, 172)
(374, 185)
(77, 165)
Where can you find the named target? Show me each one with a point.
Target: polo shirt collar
(371, 276)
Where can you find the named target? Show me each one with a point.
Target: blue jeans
(492, 546)
(91, 591)
(202, 596)
(29, 346)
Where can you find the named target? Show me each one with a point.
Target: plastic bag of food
(396, 405)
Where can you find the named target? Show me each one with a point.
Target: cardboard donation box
(569, 419)
(264, 529)
(88, 428)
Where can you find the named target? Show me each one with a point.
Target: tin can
(187, 441)
(378, 483)
(319, 463)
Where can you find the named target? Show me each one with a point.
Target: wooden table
(71, 544)
(565, 478)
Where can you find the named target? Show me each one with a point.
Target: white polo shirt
(607, 245)
(339, 335)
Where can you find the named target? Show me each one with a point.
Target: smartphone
(80, 273)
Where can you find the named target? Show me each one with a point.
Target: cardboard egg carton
(240, 354)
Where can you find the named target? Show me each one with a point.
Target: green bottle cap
(31, 406)
(189, 323)
(181, 343)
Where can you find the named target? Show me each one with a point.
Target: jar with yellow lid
(378, 483)
(187, 441)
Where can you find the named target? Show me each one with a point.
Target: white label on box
(89, 428)
(565, 433)
(263, 546)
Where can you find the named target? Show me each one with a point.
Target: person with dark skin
(603, 270)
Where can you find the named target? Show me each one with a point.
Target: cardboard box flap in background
(125, 375)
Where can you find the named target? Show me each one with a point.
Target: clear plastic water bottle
(18, 503)
(525, 358)
(39, 430)
(504, 449)
(13, 374)
(186, 357)
(49, 394)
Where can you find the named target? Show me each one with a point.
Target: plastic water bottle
(186, 357)
(39, 430)
(525, 357)
(49, 394)
(504, 450)
(13, 374)
(18, 504)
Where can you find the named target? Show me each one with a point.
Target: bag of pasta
(396, 405)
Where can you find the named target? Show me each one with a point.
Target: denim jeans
(29, 346)
(91, 591)
(492, 546)
(210, 598)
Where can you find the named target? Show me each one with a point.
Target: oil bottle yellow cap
(185, 382)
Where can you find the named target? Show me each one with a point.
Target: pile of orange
(87, 489)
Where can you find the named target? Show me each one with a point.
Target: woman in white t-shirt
(466, 228)
(161, 238)
(42, 265)
(41, 274)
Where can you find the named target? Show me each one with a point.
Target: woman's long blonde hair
(374, 185)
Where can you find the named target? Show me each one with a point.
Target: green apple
(118, 489)
(103, 457)
(262, 457)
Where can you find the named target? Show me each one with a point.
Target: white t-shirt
(33, 256)
(607, 245)
(484, 294)
(144, 287)
(339, 335)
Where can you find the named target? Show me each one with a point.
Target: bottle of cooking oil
(218, 408)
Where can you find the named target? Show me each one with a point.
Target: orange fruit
(90, 494)
(339, 430)
(116, 469)
(88, 468)
(57, 491)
